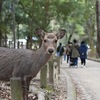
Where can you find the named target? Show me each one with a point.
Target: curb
(71, 91)
(93, 59)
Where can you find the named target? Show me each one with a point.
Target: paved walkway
(86, 80)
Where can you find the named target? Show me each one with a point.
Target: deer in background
(26, 63)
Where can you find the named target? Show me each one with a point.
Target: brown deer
(26, 63)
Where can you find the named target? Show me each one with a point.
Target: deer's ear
(61, 33)
(39, 32)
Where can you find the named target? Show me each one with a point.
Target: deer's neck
(40, 58)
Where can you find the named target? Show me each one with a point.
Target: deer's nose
(50, 50)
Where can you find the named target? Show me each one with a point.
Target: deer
(25, 63)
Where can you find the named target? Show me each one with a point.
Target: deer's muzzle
(50, 50)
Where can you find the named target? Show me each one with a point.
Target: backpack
(60, 52)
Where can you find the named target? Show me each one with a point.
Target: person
(68, 50)
(64, 53)
(75, 53)
(83, 53)
(60, 51)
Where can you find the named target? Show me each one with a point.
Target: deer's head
(49, 40)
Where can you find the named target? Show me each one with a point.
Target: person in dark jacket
(83, 53)
(60, 50)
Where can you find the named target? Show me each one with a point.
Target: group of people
(73, 51)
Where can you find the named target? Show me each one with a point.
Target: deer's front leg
(25, 85)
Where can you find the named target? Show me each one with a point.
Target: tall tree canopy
(76, 16)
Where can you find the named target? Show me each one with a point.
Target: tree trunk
(98, 26)
(13, 22)
(70, 36)
(29, 42)
(5, 40)
(0, 21)
(29, 39)
(89, 31)
(46, 15)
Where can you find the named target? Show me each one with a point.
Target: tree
(13, 22)
(0, 21)
(76, 16)
(98, 27)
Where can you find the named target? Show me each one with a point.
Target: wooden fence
(54, 69)
(10, 44)
(19, 45)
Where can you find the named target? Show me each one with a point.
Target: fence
(10, 44)
(54, 69)
(19, 45)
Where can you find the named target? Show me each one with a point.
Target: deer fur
(26, 63)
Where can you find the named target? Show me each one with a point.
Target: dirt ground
(58, 93)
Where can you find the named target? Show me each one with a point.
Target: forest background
(80, 18)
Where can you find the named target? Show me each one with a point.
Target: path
(86, 80)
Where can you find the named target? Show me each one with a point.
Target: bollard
(43, 77)
(58, 61)
(51, 71)
(16, 88)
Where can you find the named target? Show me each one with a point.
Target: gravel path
(86, 80)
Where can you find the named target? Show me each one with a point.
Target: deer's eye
(55, 41)
(45, 40)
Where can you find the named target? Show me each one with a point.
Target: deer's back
(14, 62)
